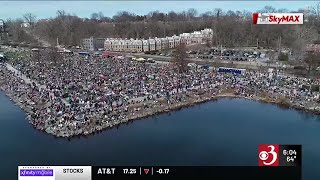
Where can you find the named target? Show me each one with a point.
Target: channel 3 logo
(268, 154)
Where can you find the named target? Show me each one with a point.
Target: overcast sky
(46, 9)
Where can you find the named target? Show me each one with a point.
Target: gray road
(255, 63)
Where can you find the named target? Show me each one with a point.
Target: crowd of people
(71, 95)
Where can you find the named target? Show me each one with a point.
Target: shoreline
(166, 109)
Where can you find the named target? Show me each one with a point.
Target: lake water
(223, 132)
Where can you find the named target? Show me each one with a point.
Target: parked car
(150, 60)
(141, 60)
(120, 57)
(299, 67)
(205, 67)
(192, 65)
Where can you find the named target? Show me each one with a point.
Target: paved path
(22, 76)
(19, 74)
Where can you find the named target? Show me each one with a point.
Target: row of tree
(231, 29)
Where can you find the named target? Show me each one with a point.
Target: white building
(98, 43)
(171, 42)
(108, 44)
(185, 38)
(164, 43)
(145, 43)
(87, 43)
(207, 34)
(137, 45)
(196, 37)
(127, 45)
(1, 26)
(116, 45)
(313, 47)
(152, 44)
(158, 43)
(177, 40)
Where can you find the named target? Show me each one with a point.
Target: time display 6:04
(289, 152)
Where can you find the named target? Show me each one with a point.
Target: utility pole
(279, 46)
(57, 42)
(164, 29)
(257, 43)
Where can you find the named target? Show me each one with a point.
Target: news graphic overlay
(277, 18)
(73, 172)
(291, 155)
(36, 172)
(279, 155)
(268, 155)
(178, 172)
(54, 172)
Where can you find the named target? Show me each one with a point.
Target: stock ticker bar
(219, 172)
(115, 172)
(275, 161)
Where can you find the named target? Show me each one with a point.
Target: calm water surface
(224, 132)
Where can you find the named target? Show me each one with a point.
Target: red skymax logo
(277, 18)
(284, 19)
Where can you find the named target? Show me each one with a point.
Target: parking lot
(218, 54)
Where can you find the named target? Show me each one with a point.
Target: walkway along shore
(153, 107)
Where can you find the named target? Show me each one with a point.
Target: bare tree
(316, 10)
(217, 12)
(312, 59)
(124, 16)
(179, 58)
(30, 18)
(315, 17)
(94, 16)
(246, 14)
(100, 16)
(61, 14)
(302, 35)
(17, 33)
(283, 10)
(231, 13)
(172, 16)
(192, 13)
(205, 16)
(268, 9)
